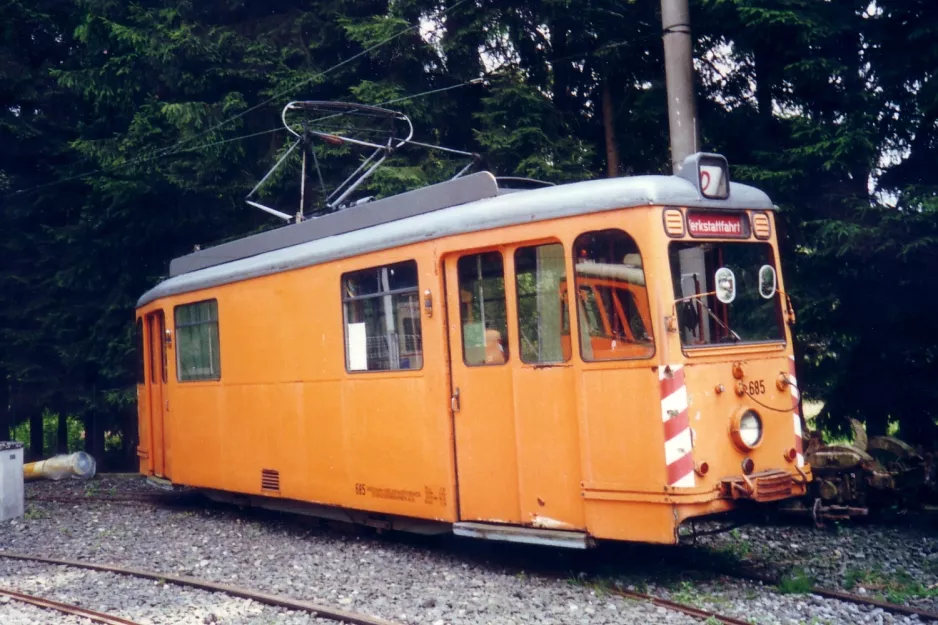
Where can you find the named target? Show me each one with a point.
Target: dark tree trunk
(94, 435)
(62, 433)
(609, 125)
(90, 434)
(762, 60)
(130, 440)
(462, 39)
(561, 65)
(877, 424)
(5, 425)
(35, 433)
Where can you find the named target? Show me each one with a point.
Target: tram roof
(469, 204)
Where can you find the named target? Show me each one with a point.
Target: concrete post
(679, 73)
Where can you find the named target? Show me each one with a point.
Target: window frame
(462, 328)
(766, 345)
(563, 296)
(177, 325)
(617, 304)
(344, 299)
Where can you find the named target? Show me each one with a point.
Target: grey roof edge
(476, 186)
(490, 213)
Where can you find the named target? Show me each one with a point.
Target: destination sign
(704, 225)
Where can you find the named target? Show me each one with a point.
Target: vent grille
(674, 222)
(760, 223)
(270, 479)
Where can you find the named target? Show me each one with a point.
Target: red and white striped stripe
(678, 444)
(793, 385)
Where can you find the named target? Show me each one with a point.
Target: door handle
(454, 400)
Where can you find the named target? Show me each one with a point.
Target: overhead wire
(422, 94)
(141, 160)
(176, 147)
(306, 81)
(156, 156)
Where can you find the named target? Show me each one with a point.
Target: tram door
(156, 325)
(517, 457)
(482, 397)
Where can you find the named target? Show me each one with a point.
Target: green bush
(50, 428)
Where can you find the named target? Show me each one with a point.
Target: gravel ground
(760, 606)
(391, 578)
(453, 582)
(15, 613)
(898, 563)
(143, 601)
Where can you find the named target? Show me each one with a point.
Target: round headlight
(747, 429)
(750, 428)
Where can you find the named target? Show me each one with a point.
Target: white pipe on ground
(79, 464)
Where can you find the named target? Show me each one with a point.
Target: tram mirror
(767, 281)
(725, 285)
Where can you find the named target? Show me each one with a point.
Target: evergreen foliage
(122, 121)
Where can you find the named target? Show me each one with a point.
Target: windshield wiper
(699, 299)
(722, 325)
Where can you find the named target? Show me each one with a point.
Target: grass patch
(684, 592)
(796, 583)
(896, 587)
(689, 593)
(731, 553)
(33, 514)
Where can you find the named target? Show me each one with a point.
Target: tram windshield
(704, 319)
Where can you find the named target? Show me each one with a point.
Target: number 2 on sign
(757, 387)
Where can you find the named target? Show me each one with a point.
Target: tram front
(729, 395)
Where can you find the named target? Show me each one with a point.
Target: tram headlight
(747, 429)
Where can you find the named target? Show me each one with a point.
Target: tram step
(529, 535)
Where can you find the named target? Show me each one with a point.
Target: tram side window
(612, 301)
(140, 363)
(482, 309)
(382, 318)
(540, 273)
(197, 346)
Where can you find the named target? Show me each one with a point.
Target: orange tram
(598, 360)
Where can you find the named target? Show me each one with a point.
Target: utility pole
(609, 126)
(679, 75)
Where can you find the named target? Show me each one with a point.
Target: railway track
(681, 607)
(278, 601)
(687, 559)
(827, 593)
(922, 615)
(274, 600)
(65, 608)
(840, 595)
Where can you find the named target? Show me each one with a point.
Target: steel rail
(828, 593)
(244, 593)
(680, 607)
(840, 595)
(65, 608)
(895, 608)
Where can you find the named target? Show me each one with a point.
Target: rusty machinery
(871, 474)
